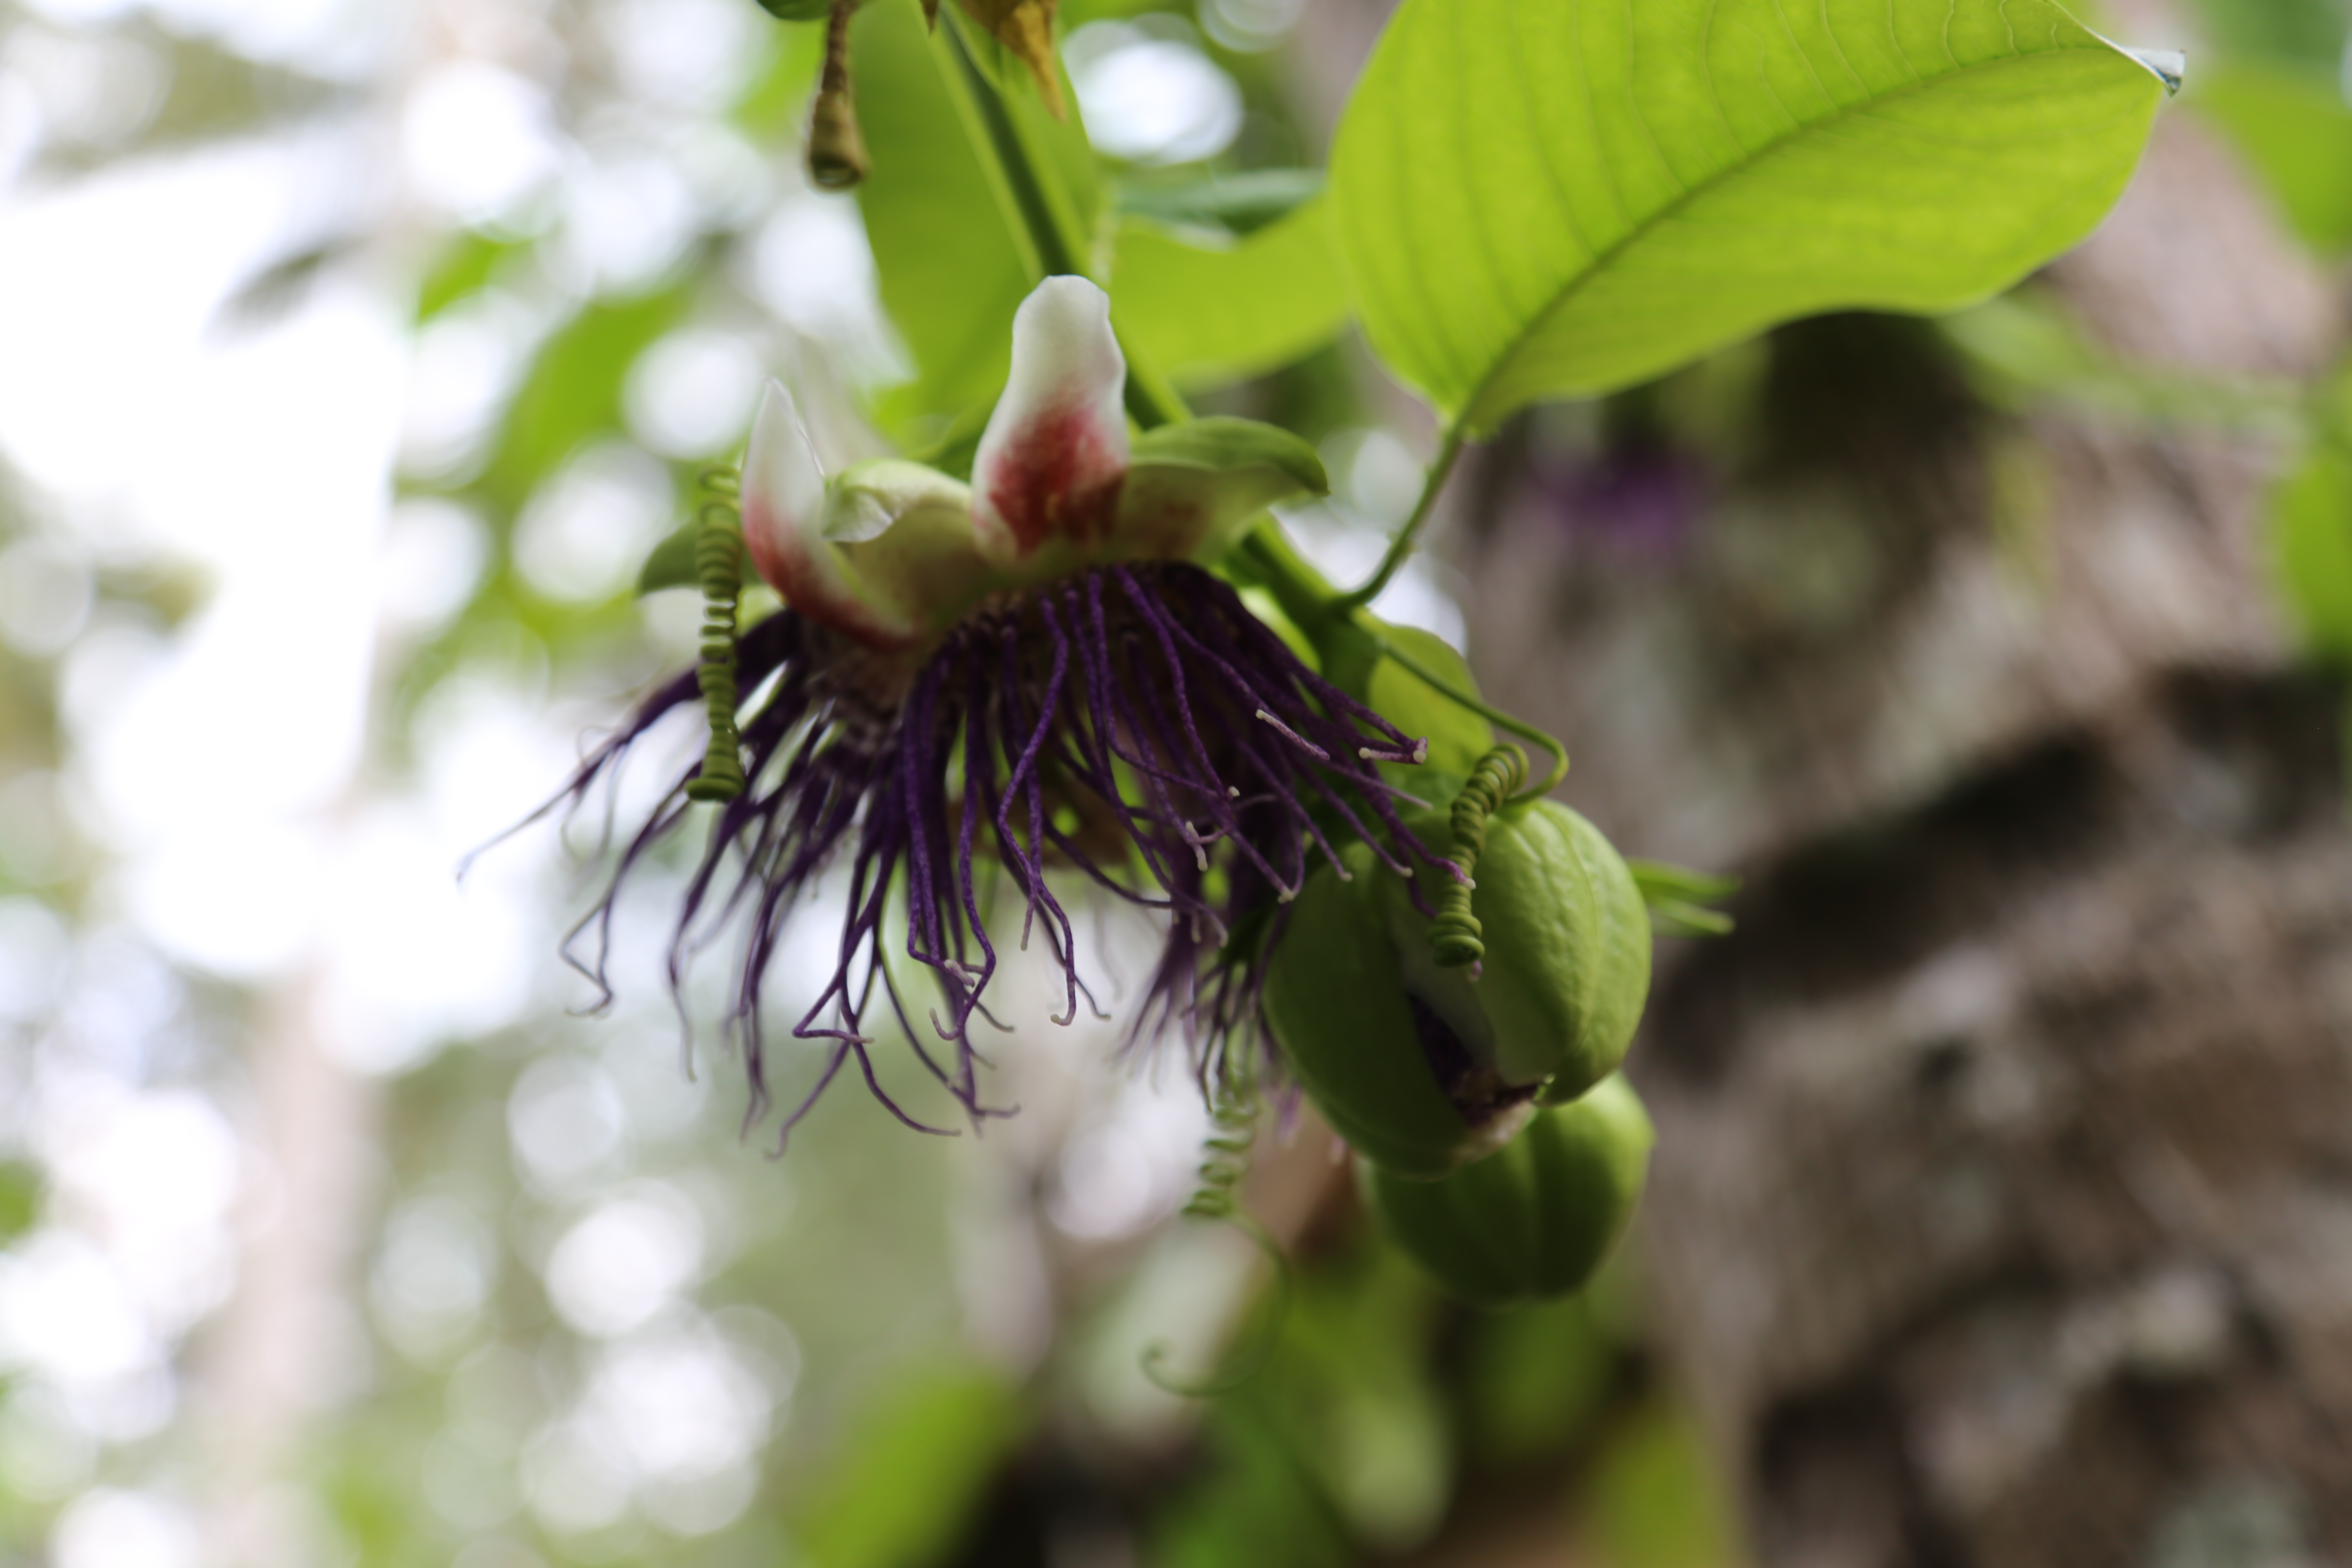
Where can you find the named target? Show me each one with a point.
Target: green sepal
(1536, 1218)
(1227, 444)
(904, 542)
(1191, 489)
(1336, 1001)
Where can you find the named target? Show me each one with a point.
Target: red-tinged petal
(784, 516)
(1050, 463)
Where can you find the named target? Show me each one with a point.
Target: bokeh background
(352, 354)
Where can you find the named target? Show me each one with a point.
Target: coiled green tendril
(1455, 932)
(1224, 1162)
(718, 560)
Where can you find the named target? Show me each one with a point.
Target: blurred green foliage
(901, 1488)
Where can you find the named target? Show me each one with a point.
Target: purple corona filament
(1134, 725)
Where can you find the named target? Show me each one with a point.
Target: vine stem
(1400, 548)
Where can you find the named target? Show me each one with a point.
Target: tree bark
(2001, 1212)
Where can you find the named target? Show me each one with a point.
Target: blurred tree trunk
(2002, 1207)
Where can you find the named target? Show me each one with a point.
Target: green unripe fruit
(1567, 964)
(1336, 998)
(1536, 1218)
(1421, 1067)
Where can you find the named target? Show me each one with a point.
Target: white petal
(1050, 463)
(784, 484)
(784, 523)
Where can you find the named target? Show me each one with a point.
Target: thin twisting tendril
(1455, 932)
(1494, 716)
(1224, 1161)
(718, 562)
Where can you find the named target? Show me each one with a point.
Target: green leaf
(671, 564)
(2311, 548)
(20, 1199)
(1457, 737)
(2293, 126)
(572, 390)
(1652, 1498)
(1236, 205)
(1077, 188)
(905, 1483)
(1203, 311)
(952, 248)
(1565, 198)
(1535, 1378)
(949, 272)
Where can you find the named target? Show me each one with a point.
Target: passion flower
(1031, 677)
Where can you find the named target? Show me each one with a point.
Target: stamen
(1127, 699)
(1318, 753)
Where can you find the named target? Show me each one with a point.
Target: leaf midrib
(1604, 258)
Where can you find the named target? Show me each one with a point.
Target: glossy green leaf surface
(1539, 198)
(950, 1426)
(1205, 311)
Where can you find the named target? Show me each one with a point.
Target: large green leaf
(1548, 197)
(1205, 313)
(949, 273)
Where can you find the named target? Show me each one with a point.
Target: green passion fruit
(1536, 1218)
(1423, 1068)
